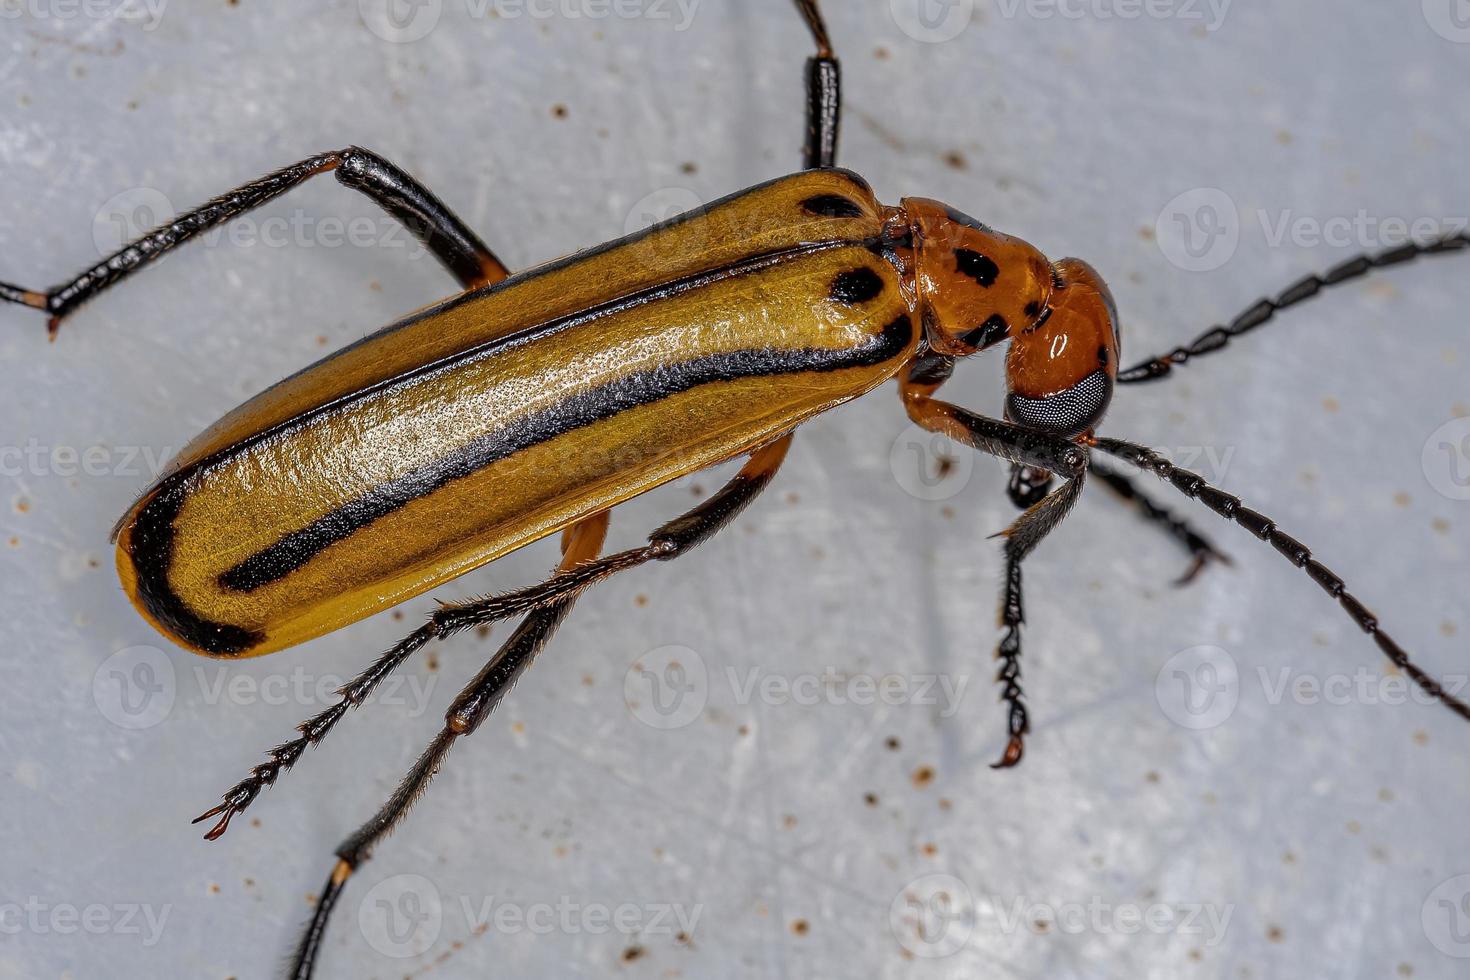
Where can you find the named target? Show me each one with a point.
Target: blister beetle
(837, 274)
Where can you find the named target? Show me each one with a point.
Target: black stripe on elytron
(151, 548)
(297, 548)
(535, 331)
(153, 532)
(557, 265)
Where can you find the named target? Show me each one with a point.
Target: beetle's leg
(1021, 537)
(1231, 508)
(1201, 551)
(672, 539)
(312, 731)
(1023, 447)
(547, 605)
(1220, 335)
(580, 544)
(1014, 443)
(1028, 484)
(823, 93)
(457, 248)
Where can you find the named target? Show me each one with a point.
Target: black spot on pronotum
(1032, 308)
(1102, 356)
(978, 267)
(856, 286)
(992, 331)
(831, 206)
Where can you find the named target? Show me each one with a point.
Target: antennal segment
(1218, 336)
(1231, 508)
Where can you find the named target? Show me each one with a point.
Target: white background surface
(1322, 830)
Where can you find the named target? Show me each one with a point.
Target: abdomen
(312, 506)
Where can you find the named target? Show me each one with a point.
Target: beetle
(532, 404)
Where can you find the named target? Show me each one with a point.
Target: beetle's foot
(1205, 555)
(235, 801)
(224, 811)
(35, 300)
(1015, 749)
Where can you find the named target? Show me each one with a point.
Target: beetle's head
(1059, 372)
(978, 287)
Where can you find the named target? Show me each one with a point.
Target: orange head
(978, 287)
(1059, 372)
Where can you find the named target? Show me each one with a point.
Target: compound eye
(1069, 412)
